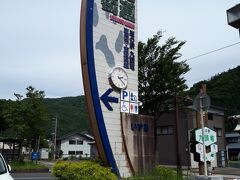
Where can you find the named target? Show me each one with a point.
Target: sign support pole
(203, 136)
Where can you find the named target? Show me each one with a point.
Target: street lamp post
(233, 17)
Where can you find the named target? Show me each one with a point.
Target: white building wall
(66, 147)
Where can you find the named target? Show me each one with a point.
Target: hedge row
(84, 170)
(89, 170)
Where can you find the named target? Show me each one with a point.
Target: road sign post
(203, 139)
(202, 102)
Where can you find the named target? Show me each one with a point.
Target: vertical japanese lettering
(126, 36)
(125, 58)
(129, 44)
(132, 40)
(132, 61)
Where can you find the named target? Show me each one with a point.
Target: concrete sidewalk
(228, 173)
(49, 164)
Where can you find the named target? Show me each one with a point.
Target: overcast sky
(39, 41)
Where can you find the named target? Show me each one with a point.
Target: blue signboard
(35, 155)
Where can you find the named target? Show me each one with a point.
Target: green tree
(160, 73)
(3, 122)
(27, 117)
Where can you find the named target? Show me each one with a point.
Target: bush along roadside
(160, 173)
(28, 166)
(67, 170)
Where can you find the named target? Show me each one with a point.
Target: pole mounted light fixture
(236, 117)
(233, 16)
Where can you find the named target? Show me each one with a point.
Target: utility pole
(201, 104)
(203, 134)
(178, 158)
(55, 138)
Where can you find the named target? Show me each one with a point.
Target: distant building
(187, 119)
(10, 148)
(233, 145)
(76, 144)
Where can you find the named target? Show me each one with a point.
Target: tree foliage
(27, 117)
(71, 113)
(3, 122)
(160, 73)
(223, 89)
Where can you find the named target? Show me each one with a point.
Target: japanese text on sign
(127, 8)
(128, 53)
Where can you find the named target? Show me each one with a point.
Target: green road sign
(210, 136)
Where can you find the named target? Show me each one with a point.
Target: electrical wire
(210, 52)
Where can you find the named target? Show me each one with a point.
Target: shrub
(82, 170)
(167, 173)
(159, 173)
(73, 157)
(21, 158)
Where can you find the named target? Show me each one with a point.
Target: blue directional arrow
(106, 99)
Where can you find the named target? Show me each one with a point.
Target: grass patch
(160, 173)
(26, 165)
(235, 164)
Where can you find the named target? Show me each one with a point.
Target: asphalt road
(32, 176)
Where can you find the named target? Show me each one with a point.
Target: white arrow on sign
(210, 156)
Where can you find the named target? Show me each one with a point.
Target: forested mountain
(224, 91)
(71, 114)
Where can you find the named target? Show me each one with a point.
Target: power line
(210, 52)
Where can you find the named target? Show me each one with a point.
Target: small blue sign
(35, 155)
(140, 127)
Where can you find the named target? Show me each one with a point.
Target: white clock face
(118, 78)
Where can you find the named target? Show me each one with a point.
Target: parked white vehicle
(4, 169)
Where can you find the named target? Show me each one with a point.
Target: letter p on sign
(125, 95)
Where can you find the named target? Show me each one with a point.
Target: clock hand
(120, 78)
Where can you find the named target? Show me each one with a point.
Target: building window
(79, 152)
(164, 130)
(218, 131)
(79, 142)
(72, 141)
(210, 116)
(71, 152)
(232, 140)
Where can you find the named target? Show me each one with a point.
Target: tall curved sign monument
(110, 73)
